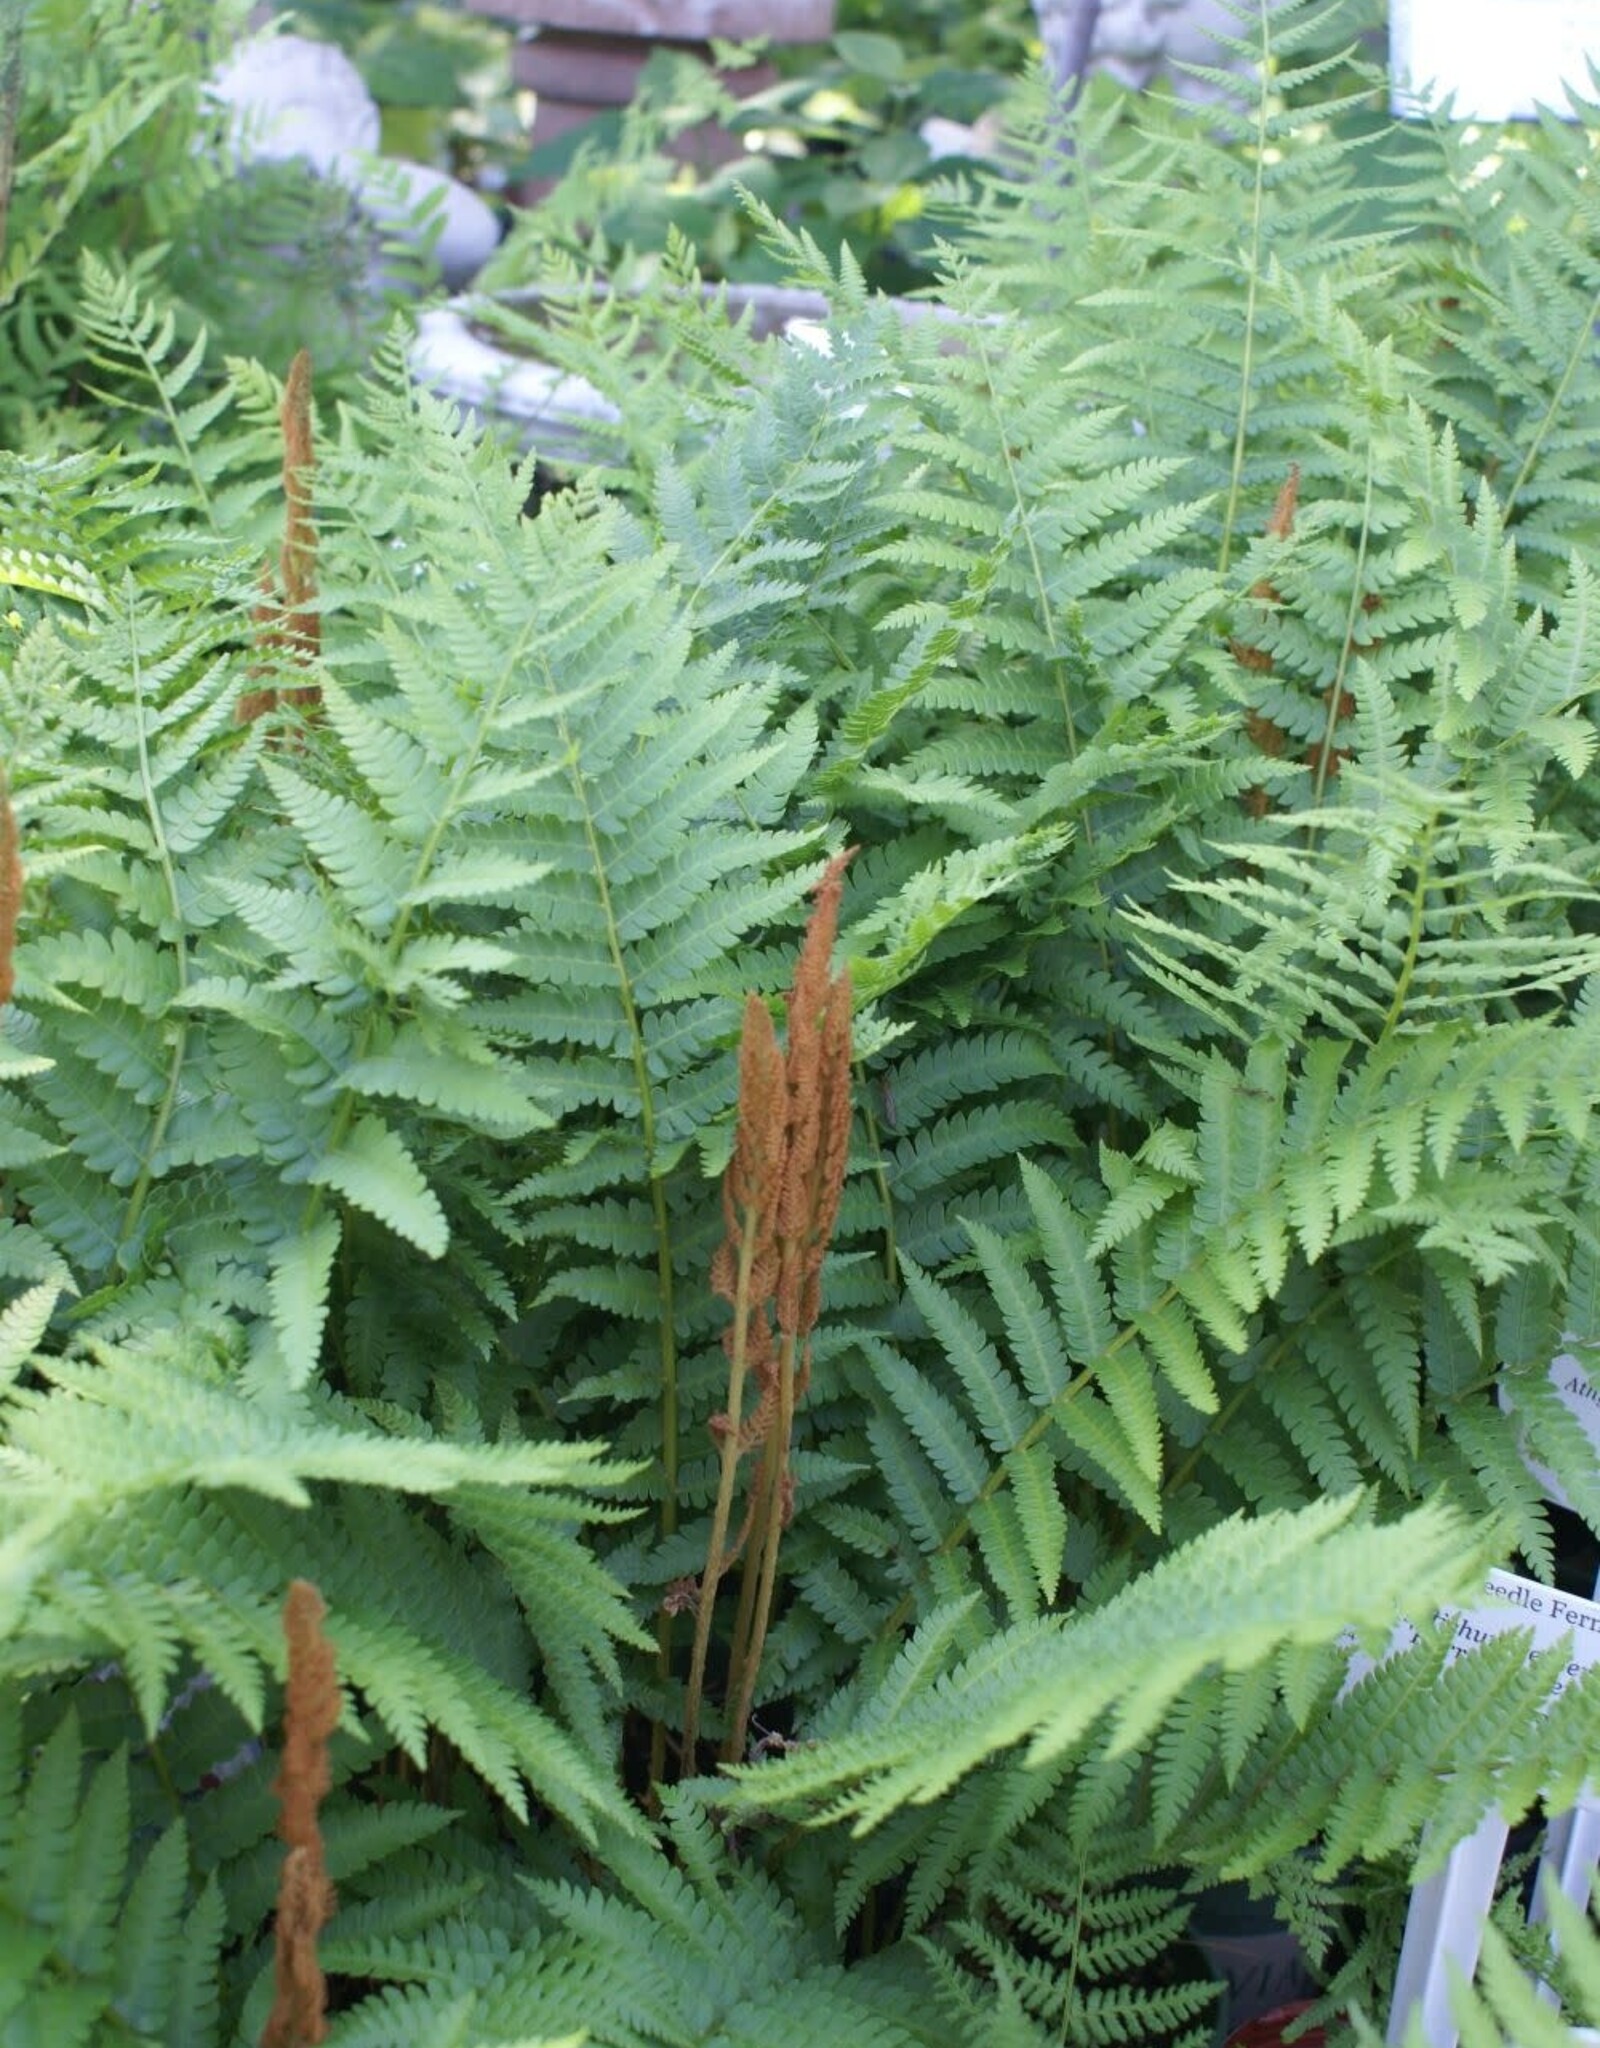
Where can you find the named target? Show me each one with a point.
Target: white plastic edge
(545, 405)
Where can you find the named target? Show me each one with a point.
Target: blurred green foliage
(111, 154)
(441, 77)
(835, 146)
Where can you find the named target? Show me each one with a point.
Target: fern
(99, 1947)
(1504, 2006)
(1186, 618)
(112, 1523)
(1123, 1660)
(115, 154)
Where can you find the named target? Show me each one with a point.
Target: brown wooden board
(785, 21)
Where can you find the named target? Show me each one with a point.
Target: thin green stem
(1075, 1959)
(891, 1255)
(1582, 348)
(666, 1319)
(1241, 430)
(960, 1529)
(164, 1777)
(1419, 904)
(1085, 819)
(1352, 620)
(1036, 566)
(169, 413)
(466, 767)
(760, 515)
(727, 1479)
(769, 1528)
(140, 1192)
(666, 1312)
(755, 1549)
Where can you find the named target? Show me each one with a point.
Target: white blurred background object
(288, 97)
(1500, 59)
(1135, 40)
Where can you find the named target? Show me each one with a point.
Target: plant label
(1513, 1602)
(1579, 1393)
(1523, 1603)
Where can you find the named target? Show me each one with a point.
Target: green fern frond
(92, 1947)
(1051, 1680)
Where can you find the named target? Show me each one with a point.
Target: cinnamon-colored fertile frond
(1264, 732)
(780, 1196)
(819, 1081)
(1265, 735)
(1280, 526)
(808, 997)
(10, 890)
(1281, 523)
(310, 1716)
(300, 2000)
(832, 1147)
(287, 620)
(750, 1185)
(305, 1898)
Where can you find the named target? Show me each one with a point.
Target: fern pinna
(1218, 1186)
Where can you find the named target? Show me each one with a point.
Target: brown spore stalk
(780, 1201)
(305, 1897)
(1265, 734)
(287, 621)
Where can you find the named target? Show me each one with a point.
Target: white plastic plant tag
(1513, 1603)
(1580, 1396)
(1501, 59)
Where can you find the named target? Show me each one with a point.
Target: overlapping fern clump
(1141, 1265)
